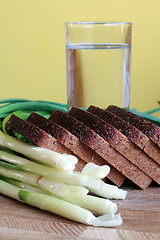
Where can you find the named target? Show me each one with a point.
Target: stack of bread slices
(129, 144)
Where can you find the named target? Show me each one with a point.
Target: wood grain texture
(140, 213)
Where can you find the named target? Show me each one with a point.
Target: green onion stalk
(59, 206)
(63, 162)
(94, 185)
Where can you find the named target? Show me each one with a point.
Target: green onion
(13, 100)
(9, 190)
(96, 186)
(49, 185)
(60, 207)
(23, 185)
(31, 105)
(63, 162)
(99, 172)
(152, 110)
(92, 203)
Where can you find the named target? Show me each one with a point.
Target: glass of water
(98, 56)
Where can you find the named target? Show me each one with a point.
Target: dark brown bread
(145, 126)
(129, 131)
(40, 138)
(125, 128)
(152, 150)
(143, 161)
(72, 142)
(101, 147)
(120, 142)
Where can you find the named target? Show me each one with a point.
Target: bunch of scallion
(47, 180)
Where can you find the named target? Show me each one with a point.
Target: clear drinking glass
(98, 56)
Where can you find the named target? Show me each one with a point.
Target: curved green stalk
(22, 114)
(31, 105)
(15, 100)
(153, 110)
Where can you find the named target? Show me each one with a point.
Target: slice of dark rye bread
(40, 137)
(120, 142)
(145, 126)
(134, 135)
(70, 141)
(101, 147)
(129, 131)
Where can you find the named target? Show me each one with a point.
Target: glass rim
(98, 23)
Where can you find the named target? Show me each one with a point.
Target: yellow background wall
(32, 46)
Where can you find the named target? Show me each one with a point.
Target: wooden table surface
(140, 213)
